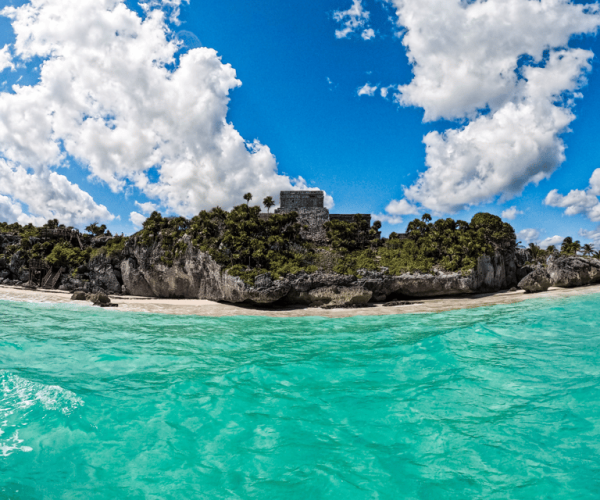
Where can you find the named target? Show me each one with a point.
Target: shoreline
(199, 307)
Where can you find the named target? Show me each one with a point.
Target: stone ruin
(311, 213)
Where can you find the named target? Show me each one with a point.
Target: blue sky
(300, 98)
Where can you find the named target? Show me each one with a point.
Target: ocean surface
(500, 402)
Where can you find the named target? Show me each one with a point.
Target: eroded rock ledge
(196, 275)
(564, 272)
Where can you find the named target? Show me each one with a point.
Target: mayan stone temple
(312, 213)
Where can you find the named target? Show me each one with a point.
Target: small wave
(19, 397)
(21, 393)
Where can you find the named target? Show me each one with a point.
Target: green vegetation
(445, 244)
(97, 230)
(243, 243)
(65, 255)
(570, 247)
(113, 248)
(26, 231)
(247, 245)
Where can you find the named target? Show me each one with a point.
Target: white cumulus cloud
(505, 69)
(5, 59)
(552, 240)
(390, 219)
(401, 207)
(352, 20)
(112, 96)
(511, 213)
(593, 235)
(368, 34)
(367, 89)
(49, 195)
(528, 235)
(137, 219)
(579, 201)
(147, 207)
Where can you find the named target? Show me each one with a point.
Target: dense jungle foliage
(59, 252)
(245, 244)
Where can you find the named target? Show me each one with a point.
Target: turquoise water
(500, 402)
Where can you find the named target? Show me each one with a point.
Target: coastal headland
(299, 256)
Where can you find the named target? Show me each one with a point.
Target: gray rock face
(16, 263)
(573, 271)
(194, 274)
(522, 256)
(524, 271)
(103, 276)
(537, 281)
(565, 272)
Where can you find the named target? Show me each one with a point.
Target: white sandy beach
(208, 308)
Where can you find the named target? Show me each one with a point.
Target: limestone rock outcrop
(104, 274)
(536, 281)
(194, 274)
(564, 272)
(573, 271)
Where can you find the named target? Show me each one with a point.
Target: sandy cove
(215, 309)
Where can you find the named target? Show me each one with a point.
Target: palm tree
(536, 251)
(587, 249)
(248, 197)
(268, 203)
(551, 249)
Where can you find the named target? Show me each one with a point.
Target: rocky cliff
(144, 271)
(194, 274)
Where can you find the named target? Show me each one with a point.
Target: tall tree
(248, 197)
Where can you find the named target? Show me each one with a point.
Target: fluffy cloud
(112, 96)
(147, 207)
(353, 19)
(137, 219)
(511, 213)
(505, 68)
(368, 34)
(528, 235)
(593, 235)
(5, 59)
(401, 207)
(367, 89)
(552, 240)
(390, 219)
(168, 5)
(578, 201)
(11, 211)
(49, 195)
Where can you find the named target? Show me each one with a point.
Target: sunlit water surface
(499, 402)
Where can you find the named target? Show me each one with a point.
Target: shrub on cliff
(247, 245)
(347, 237)
(242, 242)
(447, 244)
(63, 254)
